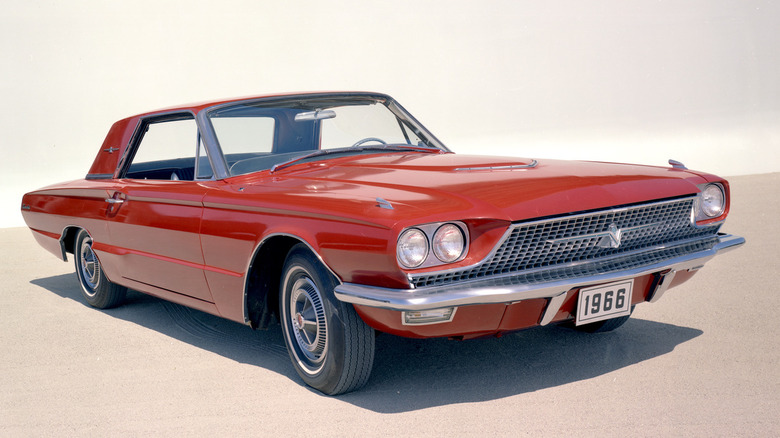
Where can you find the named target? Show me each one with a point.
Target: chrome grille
(572, 246)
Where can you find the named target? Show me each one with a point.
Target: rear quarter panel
(49, 211)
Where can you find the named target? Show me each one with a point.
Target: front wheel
(331, 348)
(95, 287)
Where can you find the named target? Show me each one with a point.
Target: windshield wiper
(384, 147)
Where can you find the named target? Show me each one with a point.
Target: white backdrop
(639, 81)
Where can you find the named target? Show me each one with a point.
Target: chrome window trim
(219, 165)
(138, 133)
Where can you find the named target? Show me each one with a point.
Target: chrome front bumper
(504, 290)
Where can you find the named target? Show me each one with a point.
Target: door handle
(116, 200)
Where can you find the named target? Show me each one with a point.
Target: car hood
(441, 186)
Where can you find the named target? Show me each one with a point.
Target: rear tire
(331, 348)
(95, 287)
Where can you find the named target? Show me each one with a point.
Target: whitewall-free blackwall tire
(95, 287)
(331, 348)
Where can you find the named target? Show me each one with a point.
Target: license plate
(604, 302)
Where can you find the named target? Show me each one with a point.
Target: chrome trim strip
(530, 165)
(488, 291)
(151, 200)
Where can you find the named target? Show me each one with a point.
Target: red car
(340, 215)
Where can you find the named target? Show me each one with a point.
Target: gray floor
(703, 361)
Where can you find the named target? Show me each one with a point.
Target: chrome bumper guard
(503, 290)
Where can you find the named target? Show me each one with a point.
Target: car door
(156, 210)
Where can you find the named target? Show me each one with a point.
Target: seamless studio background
(640, 81)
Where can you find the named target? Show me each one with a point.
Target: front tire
(95, 287)
(331, 348)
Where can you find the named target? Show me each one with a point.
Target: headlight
(448, 243)
(412, 248)
(712, 201)
(432, 244)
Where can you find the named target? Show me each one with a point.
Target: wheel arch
(264, 274)
(68, 240)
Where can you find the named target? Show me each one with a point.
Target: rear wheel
(95, 287)
(331, 348)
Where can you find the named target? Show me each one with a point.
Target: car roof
(199, 106)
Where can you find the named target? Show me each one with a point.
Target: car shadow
(414, 374)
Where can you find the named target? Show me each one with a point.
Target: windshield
(260, 135)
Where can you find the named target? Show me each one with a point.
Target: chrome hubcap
(307, 316)
(90, 268)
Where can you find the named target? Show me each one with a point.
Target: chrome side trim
(503, 290)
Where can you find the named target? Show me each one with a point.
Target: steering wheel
(367, 139)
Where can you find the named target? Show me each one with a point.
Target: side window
(167, 150)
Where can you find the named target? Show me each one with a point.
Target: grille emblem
(612, 239)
